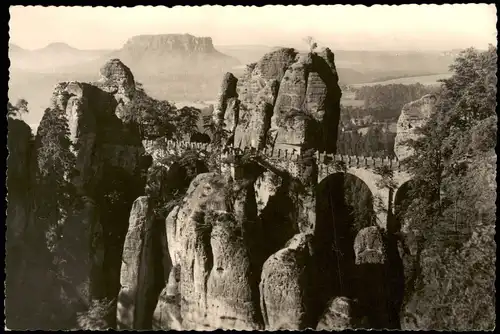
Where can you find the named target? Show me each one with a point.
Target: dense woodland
(448, 210)
(450, 206)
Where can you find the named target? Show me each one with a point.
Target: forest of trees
(160, 118)
(451, 203)
(18, 109)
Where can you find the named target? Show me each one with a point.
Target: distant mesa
(183, 43)
(172, 52)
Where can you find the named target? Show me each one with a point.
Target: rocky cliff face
(88, 170)
(109, 159)
(413, 116)
(246, 248)
(211, 240)
(284, 100)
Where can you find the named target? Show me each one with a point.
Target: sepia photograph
(323, 167)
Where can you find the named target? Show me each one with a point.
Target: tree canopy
(17, 110)
(159, 118)
(452, 201)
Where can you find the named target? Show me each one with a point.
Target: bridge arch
(346, 191)
(383, 196)
(339, 198)
(401, 202)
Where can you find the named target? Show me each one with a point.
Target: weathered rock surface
(109, 159)
(339, 315)
(257, 91)
(372, 291)
(265, 188)
(227, 96)
(277, 97)
(83, 237)
(167, 314)
(117, 79)
(93, 114)
(369, 246)
(284, 286)
(137, 275)
(413, 116)
(209, 241)
(183, 43)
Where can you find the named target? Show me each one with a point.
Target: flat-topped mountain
(173, 54)
(182, 43)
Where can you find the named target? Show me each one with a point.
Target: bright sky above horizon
(405, 27)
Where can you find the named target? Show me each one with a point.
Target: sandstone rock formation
(109, 158)
(167, 314)
(284, 284)
(117, 79)
(230, 224)
(184, 43)
(340, 315)
(18, 225)
(369, 246)
(137, 270)
(285, 99)
(413, 116)
(93, 114)
(371, 260)
(210, 243)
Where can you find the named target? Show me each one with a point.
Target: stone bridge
(384, 186)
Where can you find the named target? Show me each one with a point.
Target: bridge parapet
(279, 154)
(357, 161)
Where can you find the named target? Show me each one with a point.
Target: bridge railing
(358, 161)
(290, 154)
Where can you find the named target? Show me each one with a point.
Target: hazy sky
(405, 27)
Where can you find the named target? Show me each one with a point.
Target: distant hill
(51, 58)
